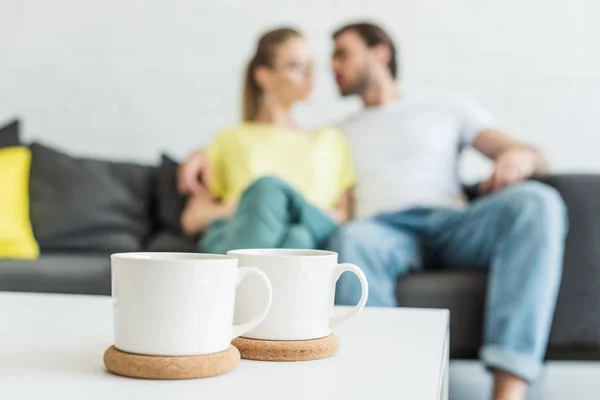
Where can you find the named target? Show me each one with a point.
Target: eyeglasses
(304, 68)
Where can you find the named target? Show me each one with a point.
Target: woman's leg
(270, 214)
(299, 237)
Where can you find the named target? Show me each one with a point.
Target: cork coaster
(293, 350)
(161, 367)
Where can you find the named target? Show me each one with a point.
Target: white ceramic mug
(303, 283)
(174, 304)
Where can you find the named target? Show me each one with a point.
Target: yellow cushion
(16, 234)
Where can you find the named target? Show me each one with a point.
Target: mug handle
(240, 329)
(340, 269)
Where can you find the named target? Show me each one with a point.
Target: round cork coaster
(293, 350)
(163, 367)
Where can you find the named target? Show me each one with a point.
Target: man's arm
(514, 160)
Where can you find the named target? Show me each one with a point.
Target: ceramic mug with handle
(303, 283)
(177, 304)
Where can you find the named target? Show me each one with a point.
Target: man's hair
(373, 36)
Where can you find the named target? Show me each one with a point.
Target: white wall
(128, 79)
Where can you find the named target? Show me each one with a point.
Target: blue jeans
(518, 234)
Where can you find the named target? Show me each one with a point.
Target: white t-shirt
(406, 152)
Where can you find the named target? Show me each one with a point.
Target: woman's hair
(263, 57)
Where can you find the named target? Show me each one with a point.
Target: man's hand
(512, 166)
(195, 166)
(514, 161)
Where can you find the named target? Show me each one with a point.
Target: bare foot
(508, 386)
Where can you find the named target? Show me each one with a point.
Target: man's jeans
(518, 234)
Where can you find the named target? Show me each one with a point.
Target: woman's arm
(343, 211)
(195, 166)
(201, 210)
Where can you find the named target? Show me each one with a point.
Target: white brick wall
(166, 75)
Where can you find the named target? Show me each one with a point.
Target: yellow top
(317, 164)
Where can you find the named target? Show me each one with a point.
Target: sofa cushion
(9, 134)
(16, 235)
(88, 205)
(57, 273)
(167, 241)
(169, 203)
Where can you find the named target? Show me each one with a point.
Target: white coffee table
(51, 346)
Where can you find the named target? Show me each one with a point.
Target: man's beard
(359, 86)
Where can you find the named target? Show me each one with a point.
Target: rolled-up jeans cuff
(523, 366)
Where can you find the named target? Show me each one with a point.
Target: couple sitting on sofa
(406, 198)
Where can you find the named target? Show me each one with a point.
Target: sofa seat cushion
(57, 273)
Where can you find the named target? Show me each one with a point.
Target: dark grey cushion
(9, 134)
(88, 205)
(170, 241)
(169, 203)
(57, 273)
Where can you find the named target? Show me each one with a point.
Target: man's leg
(520, 234)
(383, 252)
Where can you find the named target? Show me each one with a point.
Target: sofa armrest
(577, 317)
(581, 194)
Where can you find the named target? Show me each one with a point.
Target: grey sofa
(576, 328)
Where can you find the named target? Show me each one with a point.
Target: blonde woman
(267, 182)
